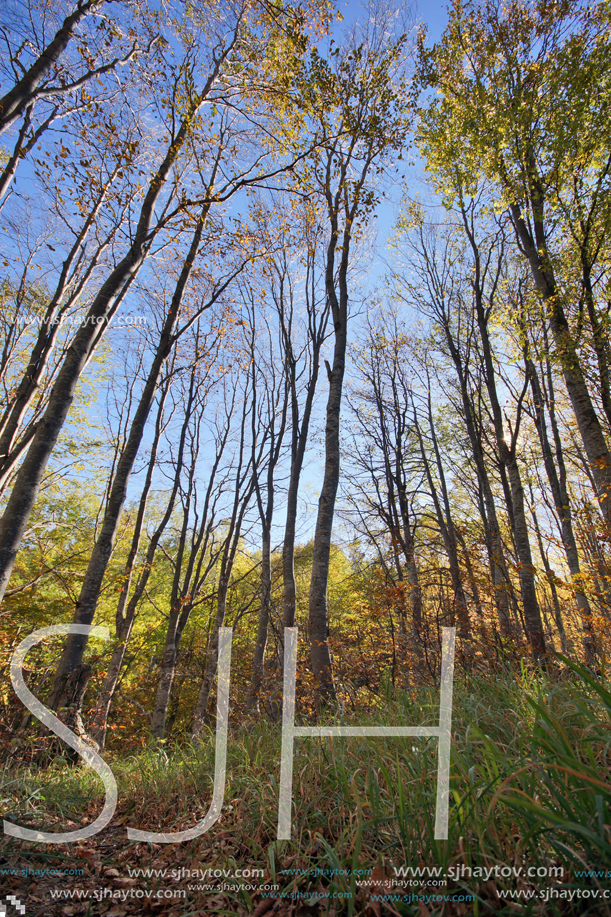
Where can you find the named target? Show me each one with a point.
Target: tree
(199, 545)
(58, 83)
(524, 104)
(170, 334)
(435, 256)
(542, 390)
(386, 451)
(360, 116)
(489, 270)
(186, 103)
(269, 397)
(443, 511)
(303, 367)
(30, 87)
(42, 319)
(291, 276)
(125, 614)
(240, 478)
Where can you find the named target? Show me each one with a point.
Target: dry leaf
(85, 853)
(263, 907)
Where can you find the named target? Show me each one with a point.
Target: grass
(530, 789)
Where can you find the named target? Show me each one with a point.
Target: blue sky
(434, 13)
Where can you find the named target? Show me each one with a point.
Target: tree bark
(15, 518)
(203, 699)
(507, 453)
(535, 250)
(445, 522)
(530, 604)
(562, 503)
(15, 102)
(494, 541)
(471, 576)
(126, 611)
(75, 644)
(318, 611)
(258, 662)
(300, 432)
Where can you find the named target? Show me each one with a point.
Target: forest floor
(529, 817)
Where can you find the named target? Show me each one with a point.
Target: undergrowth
(530, 790)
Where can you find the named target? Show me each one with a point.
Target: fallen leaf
(263, 907)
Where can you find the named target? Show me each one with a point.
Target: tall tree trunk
(542, 270)
(109, 686)
(415, 592)
(494, 541)
(600, 338)
(530, 604)
(551, 577)
(471, 576)
(258, 663)
(182, 594)
(289, 584)
(126, 611)
(298, 448)
(507, 453)
(167, 670)
(243, 490)
(300, 434)
(203, 699)
(271, 420)
(445, 521)
(16, 100)
(179, 616)
(75, 644)
(318, 611)
(27, 484)
(562, 503)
